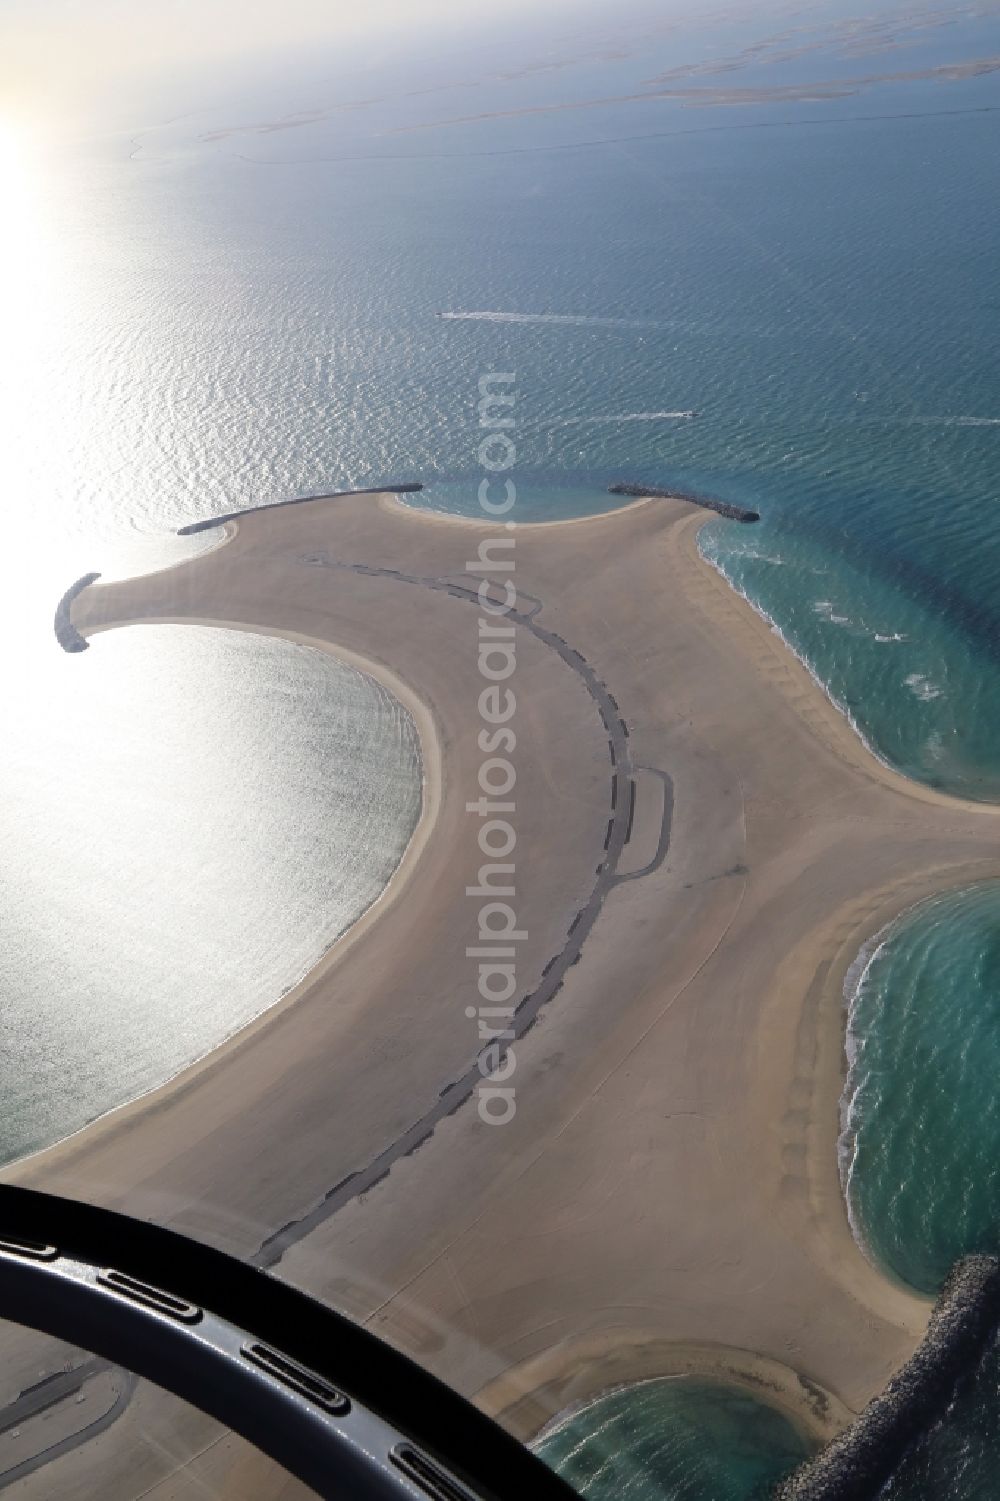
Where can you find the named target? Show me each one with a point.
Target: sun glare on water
(31, 428)
(20, 271)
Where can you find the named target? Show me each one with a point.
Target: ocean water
(204, 815)
(788, 304)
(675, 1440)
(820, 297)
(956, 1458)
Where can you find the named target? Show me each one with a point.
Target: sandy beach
(667, 1196)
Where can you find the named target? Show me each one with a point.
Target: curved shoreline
(841, 729)
(799, 656)
(842, 709)
(787, 840)
(766, 1382)
(918, 911)
(854, 979)
(593, 1368)
(389, 500)
(454, 1095)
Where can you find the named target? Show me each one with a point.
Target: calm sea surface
(791, 305)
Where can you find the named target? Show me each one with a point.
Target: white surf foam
(824, 609)
(764, 557)
(922, 687)
(824, 688)
(847, 1141)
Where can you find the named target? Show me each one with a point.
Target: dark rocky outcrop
(67, 635)
(407, 488)
(856, 1466)
(721, 507)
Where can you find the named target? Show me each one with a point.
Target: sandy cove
(667, 1196)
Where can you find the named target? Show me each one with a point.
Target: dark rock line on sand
(707, 502)
(408, 487)
(75, 1380)
(857, 1465)
(67, 635)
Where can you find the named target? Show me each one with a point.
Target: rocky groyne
(856, 1466)
(299, 500)
(721, 507)
(67, 635)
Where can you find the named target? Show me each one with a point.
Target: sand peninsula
(666, 1197)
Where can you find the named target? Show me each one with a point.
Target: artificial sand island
(694, 878)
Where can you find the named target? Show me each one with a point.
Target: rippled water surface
(920, 1149)
(205, 813)
(790, 328)
(920, 1143)
(675, 1440)
(956, 1459)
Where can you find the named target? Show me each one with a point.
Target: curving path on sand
(454, 1095)
(670, 1178)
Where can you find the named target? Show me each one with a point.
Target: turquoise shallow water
(920, 1143)
(675, 1440)
(920, 1149)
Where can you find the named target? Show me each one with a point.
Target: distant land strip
(715, 96)
(653, 492)
(408, 487)
(626, 140)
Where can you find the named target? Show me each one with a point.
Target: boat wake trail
(613, 417)
(575, 319)
(958, 421)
